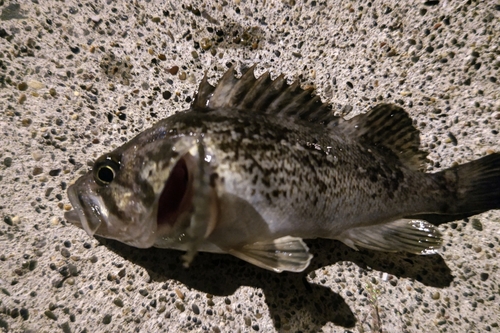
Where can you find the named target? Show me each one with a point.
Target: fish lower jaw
(140, 234)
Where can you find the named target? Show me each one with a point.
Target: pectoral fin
(282, 254)
(405, 235)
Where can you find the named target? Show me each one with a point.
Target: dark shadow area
(430, 270)
(291, 299)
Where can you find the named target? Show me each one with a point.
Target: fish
(257, 165)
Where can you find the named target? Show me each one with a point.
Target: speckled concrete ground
(77, 78)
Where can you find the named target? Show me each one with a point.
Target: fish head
(143, 192)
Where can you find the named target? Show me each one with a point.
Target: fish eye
(105, 171)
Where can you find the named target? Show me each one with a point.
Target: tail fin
(478, 184)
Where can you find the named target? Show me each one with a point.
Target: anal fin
(282, 254)
(404, 235)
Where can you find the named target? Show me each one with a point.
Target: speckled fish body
(256, 165)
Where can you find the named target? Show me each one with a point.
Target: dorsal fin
(388, 126)
(264, 95)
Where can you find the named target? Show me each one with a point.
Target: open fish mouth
(176, 199)
(187, 207)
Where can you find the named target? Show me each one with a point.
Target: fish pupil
(105, 169)
(106, 174)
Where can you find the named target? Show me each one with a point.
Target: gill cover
(195, 225)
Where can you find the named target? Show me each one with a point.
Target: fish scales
(314, 177)
(253, 180)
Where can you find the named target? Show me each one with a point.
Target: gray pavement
(78, 78)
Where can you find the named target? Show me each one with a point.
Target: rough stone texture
(77, 78)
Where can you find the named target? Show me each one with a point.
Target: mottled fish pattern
(256, 165)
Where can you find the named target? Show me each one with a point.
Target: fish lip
(73, 217)
(88, 222)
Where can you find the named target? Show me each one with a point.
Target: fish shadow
(430, 270)
(293, 301)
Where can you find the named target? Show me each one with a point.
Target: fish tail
(476, 185)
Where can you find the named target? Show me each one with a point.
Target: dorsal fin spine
(257, 89)
(243, 86)
(263, 95)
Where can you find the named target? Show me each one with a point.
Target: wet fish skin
(256, 165)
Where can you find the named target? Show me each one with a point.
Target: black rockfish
(257, 165)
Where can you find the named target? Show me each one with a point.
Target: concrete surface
(77, 78)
